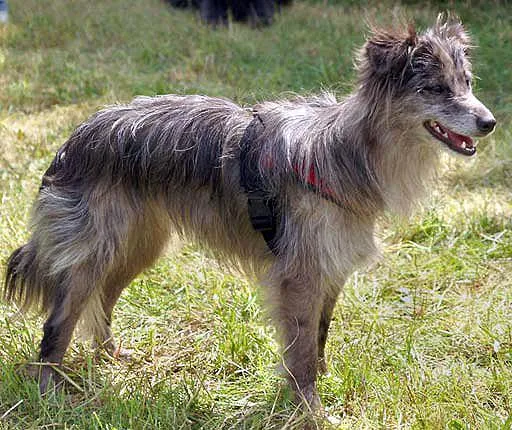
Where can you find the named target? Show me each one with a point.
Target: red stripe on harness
(311, 179)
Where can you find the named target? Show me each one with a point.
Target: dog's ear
(456, 30)
(388, 52)
(450, 27)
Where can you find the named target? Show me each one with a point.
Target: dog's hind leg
(112, 289)
(69, 302)
(102, 334)
(142, 246)
(78, 233)
(299, 305)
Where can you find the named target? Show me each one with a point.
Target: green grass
(423, 339)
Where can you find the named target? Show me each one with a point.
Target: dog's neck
(358, 148)
(403, 158)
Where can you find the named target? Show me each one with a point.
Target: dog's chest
(339, 241)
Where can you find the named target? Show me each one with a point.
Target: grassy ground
(421, 340)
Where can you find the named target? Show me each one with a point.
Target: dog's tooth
(463, 145)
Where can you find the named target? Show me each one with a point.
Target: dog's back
(151, 143)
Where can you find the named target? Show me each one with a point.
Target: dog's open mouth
(456, 142)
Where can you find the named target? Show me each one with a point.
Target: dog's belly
(219, 223)
(318, 237)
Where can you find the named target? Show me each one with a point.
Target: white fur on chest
(338, 241)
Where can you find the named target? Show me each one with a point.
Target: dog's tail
(35, 283)
(59, 260)
(25, 283)
(21, 283)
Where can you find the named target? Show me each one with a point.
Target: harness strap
(262, 208)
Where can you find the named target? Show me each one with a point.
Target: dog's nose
(485, 124)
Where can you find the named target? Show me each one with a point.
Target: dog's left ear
(456, 31)
(388, 52)
(450, 27)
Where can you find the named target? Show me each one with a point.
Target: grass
(423, 339)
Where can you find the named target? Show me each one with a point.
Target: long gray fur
(132, 174)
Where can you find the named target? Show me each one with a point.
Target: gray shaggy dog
(132, 174)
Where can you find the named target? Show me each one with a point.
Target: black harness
(261, 206)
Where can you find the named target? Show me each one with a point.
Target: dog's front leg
(329, 302)
(299, 307)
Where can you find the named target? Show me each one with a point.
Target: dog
(215, 12)
(322, 172)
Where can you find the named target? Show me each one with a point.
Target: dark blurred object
(4, 11)
(184, 3)
(215, 12)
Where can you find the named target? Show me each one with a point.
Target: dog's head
(429, 76)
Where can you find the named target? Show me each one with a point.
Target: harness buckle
(261, 211)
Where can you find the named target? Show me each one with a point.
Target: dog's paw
(310, 400)
(123, 354)
(112, 350)
(49, 379)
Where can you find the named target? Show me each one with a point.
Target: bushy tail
(21, 283)
(32, 285)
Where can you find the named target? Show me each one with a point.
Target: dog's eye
(468, 82)
(436, 89)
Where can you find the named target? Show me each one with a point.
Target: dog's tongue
(459, 140)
